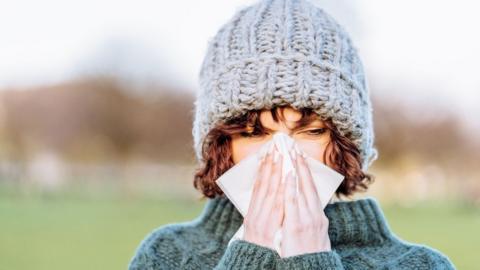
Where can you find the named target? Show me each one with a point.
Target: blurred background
(96, 111)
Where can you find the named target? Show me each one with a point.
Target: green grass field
(86, 232)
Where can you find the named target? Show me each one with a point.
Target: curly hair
(341, 154)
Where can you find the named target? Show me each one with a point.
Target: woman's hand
(305, 225)
(266, 209)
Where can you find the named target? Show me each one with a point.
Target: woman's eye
(318, 131)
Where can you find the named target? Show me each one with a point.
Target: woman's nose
(285, 129)
(286, 132)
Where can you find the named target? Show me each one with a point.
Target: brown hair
(341, 154)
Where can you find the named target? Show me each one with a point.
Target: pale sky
(427, 48)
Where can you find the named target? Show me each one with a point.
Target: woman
(284, 66)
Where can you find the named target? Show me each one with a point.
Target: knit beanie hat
(284, 52)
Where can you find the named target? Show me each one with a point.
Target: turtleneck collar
(360, 221)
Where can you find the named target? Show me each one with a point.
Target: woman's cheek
(312, 148)
(243, 148)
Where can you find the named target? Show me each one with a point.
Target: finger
(304, 212)
(260, 169)
(290, 200)
(275, 181)
(265, 175)
(279, 207)
(276, 171)
(306, 183)
(259, 184)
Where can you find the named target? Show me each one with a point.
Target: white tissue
(237, 182)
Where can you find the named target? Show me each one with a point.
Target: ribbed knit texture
(359, 234)
(285, 52)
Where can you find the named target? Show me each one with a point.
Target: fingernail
(264, 156)
(300, 153)
(297, 151)
(270, 149)
(293, 154)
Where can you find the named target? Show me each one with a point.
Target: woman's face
(312, 138)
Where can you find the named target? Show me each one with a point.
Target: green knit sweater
(359, 233)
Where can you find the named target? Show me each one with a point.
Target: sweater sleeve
(144, 258)
(241, 254)
(438, 260)
(316, 260)
(156, 252)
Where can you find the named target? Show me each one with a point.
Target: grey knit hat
(284, 52)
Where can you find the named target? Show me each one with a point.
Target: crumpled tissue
(237, 182)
